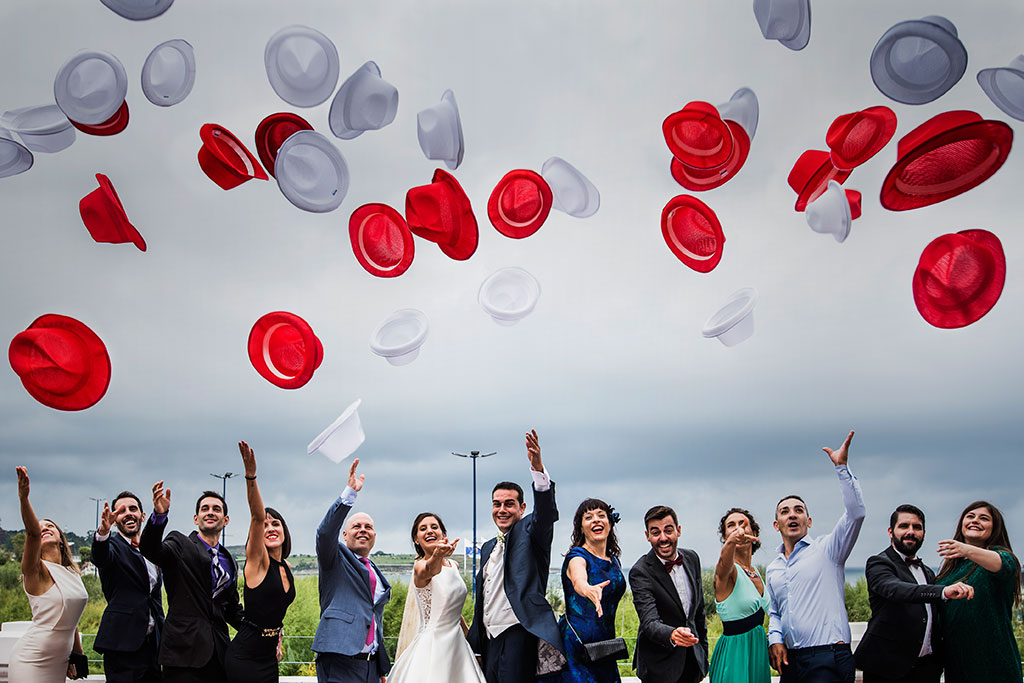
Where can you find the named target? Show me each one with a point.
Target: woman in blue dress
(593, 584)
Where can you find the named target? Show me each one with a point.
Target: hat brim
(406, 319)
(698, 180)
(507, 315)
(896, 88)
(817, 182)
(906, 186)
(319, 201)
(316, 443)
(71, 105)
(336, 116)
(96, 383)
(989, 80)
(17, 159)
(225, 160)
(508, 226)
(121, 229)
(951, 318)
(458, 221)
(803, 35)
(702, 263)
(592, 201)
(112, 126)
(301, 97)
(884, 129)
(138, 11)
(689, 154)
(357, 230)
(269, 138)
(739, 305)
(259, 353)
(182, 47)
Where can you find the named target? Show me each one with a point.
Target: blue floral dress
(584, 618)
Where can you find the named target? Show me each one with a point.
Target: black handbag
(600, 650)
(81, 663)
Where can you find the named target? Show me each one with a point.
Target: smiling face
(211, 518)
(506, 509)
(273, 533)
(429, 533)
(791, 519)
(595, 526)
(738, 520)
(131, 522)
(977, 526)
(50, 534)
(663, 535)
(359, 534)
(908, 534)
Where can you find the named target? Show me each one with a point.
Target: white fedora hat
(509, 295)
(342, 438)
(42, 128)
(916, 62)
(439, 129)
(169, 73)
(734, 321)
(15, 157)
(571, 191)
(311, 172)
(302, 65)
(1005, 87)
(365, 101)
(398, 339)
(90, 87)
(787, 21)
(138, 10)
(741, 108)
(834, 211)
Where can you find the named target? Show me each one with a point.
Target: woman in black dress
(269, 588)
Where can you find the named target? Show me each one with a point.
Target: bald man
(349, 641)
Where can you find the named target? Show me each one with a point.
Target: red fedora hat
(959, 278)
(224, 159)
(105, 218)
(810, 176)
(61, 362)
(284, 350)
(698, 136)
(112, 126)
(519, 204)
(693, 233)
(945, 156)
(273, 131)
(381, 240)
(440, 212)
(855, 138)
(699, 180)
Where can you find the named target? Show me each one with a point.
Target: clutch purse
(600, 650)
(81, 663)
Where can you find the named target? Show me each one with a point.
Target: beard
(130, 533)
(908, 545)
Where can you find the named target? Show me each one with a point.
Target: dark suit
(890, 647)
(195, 633)
(129, 654)
(660, 612)
(526, 562)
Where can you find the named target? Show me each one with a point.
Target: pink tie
(373, 590)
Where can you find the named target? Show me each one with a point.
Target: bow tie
(914, 562)
(676, 562)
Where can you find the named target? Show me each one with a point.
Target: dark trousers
(335, 668)
(133, 667)
(822, 664)
(511, 657)
(926, 670)
(211, 672)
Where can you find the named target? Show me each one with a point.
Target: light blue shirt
(807, 589)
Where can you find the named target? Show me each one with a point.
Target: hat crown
(742, 108)
(830, 214)
(52, 359)
(381, 239)
(373, 103)
(778, 19)
(167, 70)
(284, 350)
(92, 81)
(303, 62)
(429, 213)
(960, 274)
(941, 22)
(693, 232)
(436, 131)
(571, 191)
(520, 201)
(918, 61)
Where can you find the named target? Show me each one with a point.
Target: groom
(510, 613)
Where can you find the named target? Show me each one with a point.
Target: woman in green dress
(978, 633)
(741, 654)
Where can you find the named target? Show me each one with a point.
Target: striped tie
(221, 578)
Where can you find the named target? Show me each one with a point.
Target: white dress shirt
(682, 584)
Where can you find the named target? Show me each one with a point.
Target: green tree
(18, 544)
(857, 606)
(85, 553)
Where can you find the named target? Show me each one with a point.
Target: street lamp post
(98, 501)
(473, 455)
(224, 493)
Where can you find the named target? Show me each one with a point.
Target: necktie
(220, 576)
(914, 562)
(674, 563)
(373, 590)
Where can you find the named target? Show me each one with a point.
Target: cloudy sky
(631, 403)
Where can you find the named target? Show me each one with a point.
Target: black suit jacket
(660, 612)
(894, 636)
(527, 558)
(196, 625)
(130, 603)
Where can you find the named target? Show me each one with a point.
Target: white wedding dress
(439, 653)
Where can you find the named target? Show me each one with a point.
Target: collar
(219, 547)
(799, 544)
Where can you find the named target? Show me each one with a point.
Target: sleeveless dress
(439, 653)
(583, 617)
(742, 658)
(41, 654)
(979, 632)
(252, 656)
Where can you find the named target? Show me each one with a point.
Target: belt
(749, 623)
(832, 647)
(264, 632)
(362, 656)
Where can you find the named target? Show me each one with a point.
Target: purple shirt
(222, 557)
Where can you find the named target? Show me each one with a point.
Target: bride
(439, 652)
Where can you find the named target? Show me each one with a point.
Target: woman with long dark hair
(593, 584)
(980, 645)
(269, 588)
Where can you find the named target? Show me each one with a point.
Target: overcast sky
(630, 402)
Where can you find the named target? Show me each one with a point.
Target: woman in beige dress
(57, 597)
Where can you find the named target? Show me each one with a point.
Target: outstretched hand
(248, 458)
(953, 550)
(840, 456)
(161, 498)
(533, 451)
(683, 637)
(593, 593)
(444, 549)
(107, 520)
(958, 591)
(354, 482)
(22, 482)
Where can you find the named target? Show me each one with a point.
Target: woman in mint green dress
(741, 654)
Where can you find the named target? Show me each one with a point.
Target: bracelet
(252, 478)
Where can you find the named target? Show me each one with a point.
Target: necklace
(749, 572)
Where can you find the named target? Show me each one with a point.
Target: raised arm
(725, 569)
(256, 559)
(31, 562)
(545, 512)
(151, 543)
(426, 568)
(989, 560)
(330, 527)
(102, 550)
(840, 541)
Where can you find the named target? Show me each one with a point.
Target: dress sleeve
(1010, 566)
(576, 551)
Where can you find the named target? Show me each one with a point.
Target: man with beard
(902, 639)
(202, 589)
(129, 633)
